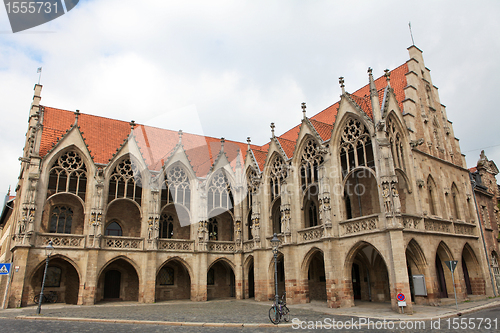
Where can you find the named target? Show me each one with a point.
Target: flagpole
(39, 71)
(411, 34)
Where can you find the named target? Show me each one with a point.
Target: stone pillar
(398, 271)
(199, 278)
(149, 284)
(18, 278)
(91, 279)
(239, 276)
(261, 278)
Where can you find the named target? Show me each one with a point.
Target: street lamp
(48, 251)
(275, 243)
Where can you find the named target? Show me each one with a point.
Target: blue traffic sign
(4, 269)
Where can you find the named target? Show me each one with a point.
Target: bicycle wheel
(274, 315)
(36, 299)
(53, 298)
(285, 313)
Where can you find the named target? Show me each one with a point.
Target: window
(68, 174)
(355, 147)
(309, 165)
(176, 188)
(125, 182)
(395, 139)
(430, 195)
(219, 192)
(166, 276)
(113, 229)
(166, 226)
(61, 219)
(213, 229)
(277, 176)
(454, 197)
(313, 214)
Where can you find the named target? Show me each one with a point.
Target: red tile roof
(104, 135)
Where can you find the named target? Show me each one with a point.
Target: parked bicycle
(51, 297)
(279, 312)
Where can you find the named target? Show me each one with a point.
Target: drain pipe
(473, 184)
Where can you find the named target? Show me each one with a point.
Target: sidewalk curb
(151, 322)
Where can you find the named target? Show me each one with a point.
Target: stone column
(91, 279)
(18, 278)
(149, 273)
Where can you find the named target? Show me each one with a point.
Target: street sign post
(452, 264)
(5, 270)
(401, 301)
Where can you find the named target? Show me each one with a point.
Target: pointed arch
(454, 204)
(276, 174)
(176, 186)
(220, 191)
(125, 179)
(398, 142)
(68, 173)
(431, 195)
(309, 161)
(173, 280)
(472, 273)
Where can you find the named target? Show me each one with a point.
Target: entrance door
(356, 282)
(112, 281)
(443, 292)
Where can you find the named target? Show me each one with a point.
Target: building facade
(369, 198)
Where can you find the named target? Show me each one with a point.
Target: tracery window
(396, 141)
(213, 229)
(355, 147)
(312, 212)
(277, 176)
(166, 226)
(177, 188)
(68, 174)
(166, 276)
(61, 219)
(125, 182)
(219, 192)
(309, 164)
(454, 198)
(113, 229)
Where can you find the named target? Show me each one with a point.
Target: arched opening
(361, 194)
(170, 223)
(118, 281)
(220, 226)
(249, 225)
(173, 281)
(127, 215)
(281, 275)
(62, 279)
(68, 174)
(220, 281)
(416, 263)
(311, 205)
(472, 277)
(406, 197)
(316, 278)
(63, 213)
(125, 181)
(443, 274)
(431, 195)
(176, 188)
(250, 281)
(276, 217)
(355, 147)
(455, 209)
(113, 229)
(496, 269)
(369, 277)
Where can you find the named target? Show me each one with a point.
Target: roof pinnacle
(132, 125)
(303, 110)
(180, 136)
(388, 77)
(272, 129)
(248, 143)
(222, 140)
(77, 113)
(341, 81)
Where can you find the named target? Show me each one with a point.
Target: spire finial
(180, 136)
(132, 125)
(388, 76)
(222, 140)
(77, 113)
(248, 143)
(303, 110)
(341, 81)
(272, 129)
(370, 70)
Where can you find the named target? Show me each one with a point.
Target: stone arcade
(368, 197)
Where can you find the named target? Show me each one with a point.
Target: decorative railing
(248, 245)
(221, 246)
(359, 225)
(465, 229)
(412, 222)
(129, 243)
(61, 240)
(311, 234)
(175, 244)
(437, 225)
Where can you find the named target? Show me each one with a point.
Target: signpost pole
(454, 289)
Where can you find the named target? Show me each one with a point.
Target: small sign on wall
(419, 285)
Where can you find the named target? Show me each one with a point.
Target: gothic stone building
(370, 197)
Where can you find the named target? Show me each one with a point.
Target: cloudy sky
(230, 68)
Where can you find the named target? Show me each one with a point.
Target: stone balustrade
(221, 246)
(438, 225)
(359, 225)
(61, 240)
(119, 242)
(248, 245)
(175, 245)
(311, 234)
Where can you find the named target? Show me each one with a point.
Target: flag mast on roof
(411, 34)
(39, 71)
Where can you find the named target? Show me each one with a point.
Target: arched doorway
(443, 274)
(250, 280)
(368, 274)
(62, 278)
(361, 194)
(281, 275)
(118, 281)
(416, 265)
(220, 280)
(472, 277)
(316, 278)
(173, 281)
(126, 214)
